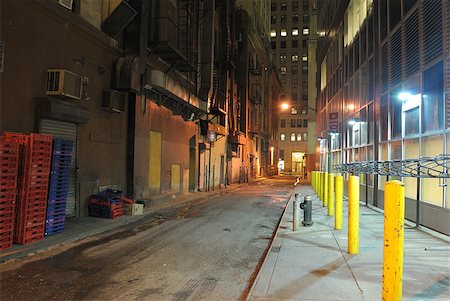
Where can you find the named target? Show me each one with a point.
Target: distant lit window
(292, 136)
(305, 136)
(273, 33)
(299, 136)
(305, 58)
(283, 32)
(283, 57)
(306, 31)
(295, 31)
(283, 6)
(282, 137)
(295, 57)
(294, 111)
(283, 70)
(304, 111)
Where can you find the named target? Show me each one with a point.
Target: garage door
(65, 130)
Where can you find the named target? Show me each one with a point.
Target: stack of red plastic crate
(9, 156)
(34, 170)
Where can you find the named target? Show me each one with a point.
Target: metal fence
(426, 167)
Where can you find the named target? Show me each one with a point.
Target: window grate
(395, 58)
(370, 86)
(432, 29)
(384, 71)
(447, 89)
(411, 47)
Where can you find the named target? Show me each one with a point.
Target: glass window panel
(293, 136)
(432, 146)
(395, 13)
(299, 136)
(412, 151)
(282, 136)
(432, 99)
(283, 123)
(395, 112)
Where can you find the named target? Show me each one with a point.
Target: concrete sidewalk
(313, 263)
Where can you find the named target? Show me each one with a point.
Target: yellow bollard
(313, 179)
(353, 215)
(394, 215)
(325, 190)
(330, 195)
(339, 199)
(319, 183)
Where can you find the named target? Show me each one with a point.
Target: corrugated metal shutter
(432, 30)
(395, 59)
(66, 130)
(412, 58)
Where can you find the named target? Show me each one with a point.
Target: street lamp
(284, 106)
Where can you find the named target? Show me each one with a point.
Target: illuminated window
(295, 31)
(295, 57)
(283, 57)
(305, 58)
(283, 137)
(273, 33)
(292, 136)
(283, 32)
(299, 136)
(306, 31)
(294, 111)
(283, 70)
(305, 136)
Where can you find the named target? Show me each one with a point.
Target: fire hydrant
(306, 206)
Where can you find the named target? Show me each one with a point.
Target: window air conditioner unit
(114, 101)
(66, 3)
(61, 82)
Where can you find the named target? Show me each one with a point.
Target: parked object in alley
(133, 209)
(9, 160)
(106, 204)
(59, 186)
(34, 169)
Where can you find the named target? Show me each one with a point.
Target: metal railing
(425, 167)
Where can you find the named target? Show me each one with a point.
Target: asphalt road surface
(209, 249)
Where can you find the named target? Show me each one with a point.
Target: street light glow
(404, 96)
(285, 106)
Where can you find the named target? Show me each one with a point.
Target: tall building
(384, 93)
(293, 42)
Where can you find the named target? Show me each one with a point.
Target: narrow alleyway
(203, 250)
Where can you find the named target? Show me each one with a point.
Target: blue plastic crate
(54, 230)
(55, 220)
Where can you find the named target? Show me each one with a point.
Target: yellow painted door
(154, 163)
(175, 182)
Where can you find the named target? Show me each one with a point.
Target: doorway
(298, 163)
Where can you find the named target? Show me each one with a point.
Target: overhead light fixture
(404, 96)
(354, 121)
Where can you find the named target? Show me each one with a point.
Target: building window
(294, 43)
(304, 43)
(292, 136)
(283, 32)
(295, 19)
(305, 66)
(283, 123)
(305, 136)
(283, 19)
(305, 123)
(305, 31)
(299, 136)
(305, 97)
(273, 19)
(283, 6)
(283, 44)
(299, 123)
(283, 70)
(294, 82)
(294, 111)
(283, 57)
(273, 7)
(294, 70)
(294, 96)
(292, 123)
(305, 4)
(432, 99)
(273, 45)
(305, 19)
(281, 154)
(295, 5)
(295, 57)
(295, 31)
(273, 33)
(305, 58)
(304, 111)
(282, 137)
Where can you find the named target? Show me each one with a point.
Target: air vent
(384, 76)
(66, 3)
(120, 18)
(432, 29)
(412, 59)
(61, 82)
(396, 57)
(114, 101)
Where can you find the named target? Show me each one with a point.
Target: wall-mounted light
(285, 106)
(350, 107)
